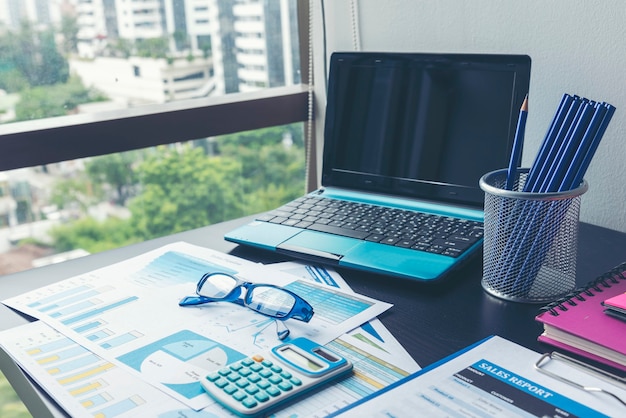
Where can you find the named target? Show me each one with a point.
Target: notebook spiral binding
(580, 294)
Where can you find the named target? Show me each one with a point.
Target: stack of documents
(114, 342)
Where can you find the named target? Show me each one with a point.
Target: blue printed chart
(184, 351)
(84, 383)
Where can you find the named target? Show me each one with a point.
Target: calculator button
(285, 375)
(265, 373)
(224, 372)
(245, 372)
(220, 383)
(212, 377)
(242, 383)
(235, 367)
(262, 397)
(295, 381)
(233, 377)
(239, 396)
(267, 363)
(254, 378)
(276, 369)
(286, 386)
(230, 389)
(263, 384)
(274, 391)
(256, 367)
(247, 362)
(252, 390)
(275, 379)
(249, 403)
(258, 358)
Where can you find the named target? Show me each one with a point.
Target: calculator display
(300, 360)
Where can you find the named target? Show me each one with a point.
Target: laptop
(407, 137)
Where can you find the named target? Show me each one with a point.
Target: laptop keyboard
(399, 227)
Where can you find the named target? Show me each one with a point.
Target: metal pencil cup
(531, 240)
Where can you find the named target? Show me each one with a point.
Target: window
(122, 96)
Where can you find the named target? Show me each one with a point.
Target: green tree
(34, 54)
(93, 235)
(122, 48)
(56, 100)
(184, 187)
(116, 171)
(183, 190)
(69, 32)
(152, 47)
(74, 193)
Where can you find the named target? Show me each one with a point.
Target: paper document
(128, 315)
(495, 378)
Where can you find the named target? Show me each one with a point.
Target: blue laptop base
(344, 252)
(354, 253)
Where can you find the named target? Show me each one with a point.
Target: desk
(430, 321)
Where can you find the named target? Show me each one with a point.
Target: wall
(576, 46)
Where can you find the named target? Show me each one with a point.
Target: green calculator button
(239, 395)
(249, 403)
(274, 391)
(230, 389)
(262, 397)
(295, 381)
(247, 362)
(286, 386)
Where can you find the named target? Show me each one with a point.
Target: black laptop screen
(421, 125)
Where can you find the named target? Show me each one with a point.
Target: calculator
(261, 383)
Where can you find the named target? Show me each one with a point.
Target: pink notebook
(579, 324)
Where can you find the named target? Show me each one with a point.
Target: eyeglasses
(266, 299)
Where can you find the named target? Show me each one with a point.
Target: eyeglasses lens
(217, 286)
(270, 301)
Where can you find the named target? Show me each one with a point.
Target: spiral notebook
(578, 323)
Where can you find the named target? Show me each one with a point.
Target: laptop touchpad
(318, 245)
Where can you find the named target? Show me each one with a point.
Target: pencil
(518, 144)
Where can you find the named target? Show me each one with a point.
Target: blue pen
(518, 144)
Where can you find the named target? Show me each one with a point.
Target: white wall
(576, 46)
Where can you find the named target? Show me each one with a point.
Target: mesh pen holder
(531, 240)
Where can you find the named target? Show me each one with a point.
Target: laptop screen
(425, 126)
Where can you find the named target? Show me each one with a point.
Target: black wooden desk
(429, 321)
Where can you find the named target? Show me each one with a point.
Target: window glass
(58, 56)
(73, 208)
(68, 57)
